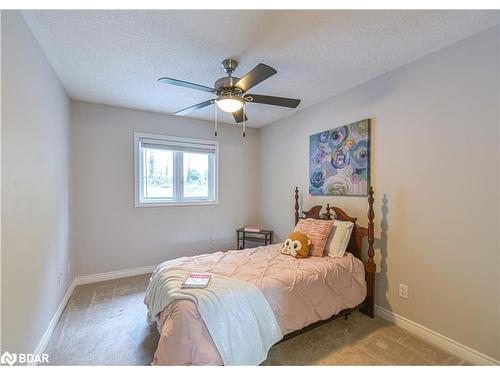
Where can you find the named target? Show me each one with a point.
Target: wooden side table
(264, 236)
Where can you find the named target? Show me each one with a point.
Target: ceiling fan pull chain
(244, 117)
(215, 120)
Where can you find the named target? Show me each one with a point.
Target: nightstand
(264, 236)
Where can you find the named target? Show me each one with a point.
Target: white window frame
(179, 199)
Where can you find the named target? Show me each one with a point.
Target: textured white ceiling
(115, 57)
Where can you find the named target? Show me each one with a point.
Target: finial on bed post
(328, 215)
(371, 235)
(296, 205)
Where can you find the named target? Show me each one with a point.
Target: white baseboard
(96, 277)
(442, 342)
(53, 322)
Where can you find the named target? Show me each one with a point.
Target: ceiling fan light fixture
(229, 103)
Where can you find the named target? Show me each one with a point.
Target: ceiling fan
(232, 92)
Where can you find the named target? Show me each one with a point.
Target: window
(175, 171)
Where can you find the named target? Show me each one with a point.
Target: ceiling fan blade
(273, 100)
(255, 76)
(193, 108)
(185, 84)
(238, 116)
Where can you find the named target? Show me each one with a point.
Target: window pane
(158, 173)
(196, 175)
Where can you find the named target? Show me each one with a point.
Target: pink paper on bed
(299, 291)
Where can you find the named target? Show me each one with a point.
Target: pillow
(339, 239)
(317, 231)
(296, 245)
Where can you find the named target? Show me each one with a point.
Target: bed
(302, 293)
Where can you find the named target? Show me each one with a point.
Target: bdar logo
(8, 359)
(23, 358)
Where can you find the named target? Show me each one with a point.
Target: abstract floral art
(339, 160)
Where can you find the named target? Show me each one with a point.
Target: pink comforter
(299, 291)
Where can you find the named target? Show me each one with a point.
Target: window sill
(174, 204)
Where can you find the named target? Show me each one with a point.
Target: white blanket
(236, 314)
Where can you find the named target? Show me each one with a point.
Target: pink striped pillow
(317, 231)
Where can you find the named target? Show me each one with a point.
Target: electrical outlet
(60, 274)
(68, 268)
(403, 291)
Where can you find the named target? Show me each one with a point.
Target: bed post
(296, 205)
(370, 266)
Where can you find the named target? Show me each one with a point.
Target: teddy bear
(296, 245)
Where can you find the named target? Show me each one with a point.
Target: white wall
(435, 164)
(109, 232)
(35, 159)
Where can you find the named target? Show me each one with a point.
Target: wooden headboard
(355, 245)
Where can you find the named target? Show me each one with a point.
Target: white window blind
(178, 145)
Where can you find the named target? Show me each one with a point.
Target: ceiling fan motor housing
(226, 84)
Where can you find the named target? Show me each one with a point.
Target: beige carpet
(105, 324)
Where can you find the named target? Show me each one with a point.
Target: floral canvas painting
(339, 160)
